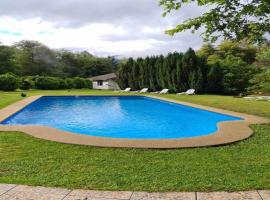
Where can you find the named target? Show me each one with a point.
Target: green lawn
(240, 166)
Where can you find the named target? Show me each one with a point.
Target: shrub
(80, 83)
(69, 83)
(261, 82)
(9, 82)
(88, 84)
(47, 83)
(62, 84)
(23, 94)
(26, 84)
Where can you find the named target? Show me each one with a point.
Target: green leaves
(234, 19)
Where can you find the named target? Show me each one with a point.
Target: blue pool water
(133, 117)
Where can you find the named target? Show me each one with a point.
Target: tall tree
(7, 60)
(233, 19)
(34, 58)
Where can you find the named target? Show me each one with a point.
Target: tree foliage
(225, 69)
(176, 71)
(30, 58)
(233, 20)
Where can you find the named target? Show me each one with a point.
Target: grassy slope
(240, 166)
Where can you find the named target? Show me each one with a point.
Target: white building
(105, 82)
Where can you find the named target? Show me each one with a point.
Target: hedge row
(10, 82)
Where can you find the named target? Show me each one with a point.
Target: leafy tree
(244, 51)
(206, 50)
(7, 60)
(261, 82)
(263, 57)
(34, 58)
(236, 75)
(233, 20)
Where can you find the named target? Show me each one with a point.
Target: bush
(62, 84)
(261, 82)
(80, 83)
(9, 82)
(47, 83)
(88, 84)
(69, 83)
(26, 84)
(23, 94)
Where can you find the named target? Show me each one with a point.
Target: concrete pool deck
(22, 192)
(228, 132)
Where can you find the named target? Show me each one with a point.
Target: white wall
(107, 85)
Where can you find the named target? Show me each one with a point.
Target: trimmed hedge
(9, 82)
(47, 83)
(82, 83)
(54, 83)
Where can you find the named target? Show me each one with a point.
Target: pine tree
(215, 79)
(189, 65)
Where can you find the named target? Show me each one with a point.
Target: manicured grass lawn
(240, 166)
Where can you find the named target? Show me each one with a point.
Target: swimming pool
(128, 117)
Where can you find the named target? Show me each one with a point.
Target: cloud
(103, 27)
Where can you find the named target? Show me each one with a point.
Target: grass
(240, 166)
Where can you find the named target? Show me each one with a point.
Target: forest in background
(31, 58)
(229, 68)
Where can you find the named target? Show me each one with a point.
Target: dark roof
(103, 77)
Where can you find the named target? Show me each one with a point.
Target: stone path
(21, 192)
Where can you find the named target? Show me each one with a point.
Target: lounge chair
(188, 92)
(126, 90)
(250, 98)
(144, 90)
(164, 91)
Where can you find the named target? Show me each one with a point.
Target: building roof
(104, 77)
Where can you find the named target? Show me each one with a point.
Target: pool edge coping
(228, 131)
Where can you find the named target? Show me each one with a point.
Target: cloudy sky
(102, 27)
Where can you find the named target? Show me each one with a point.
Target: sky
(101, 27)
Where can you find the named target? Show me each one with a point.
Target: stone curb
(22, 192)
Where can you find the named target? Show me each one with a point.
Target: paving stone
(3, 192)
(6, 187)
(102, 194)
(41, 190)
(34, 193)
(251, 195)
(30, 195)
(163, 196)
(265, 194)
(69, 197)
(4, 197)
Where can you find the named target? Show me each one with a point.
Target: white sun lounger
(144, 90)
(126, 90)
(188, 92)
(164, 91)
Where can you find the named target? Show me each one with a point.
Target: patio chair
(144, 90)
(164, 91)
(126, 90)
(188, 92)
